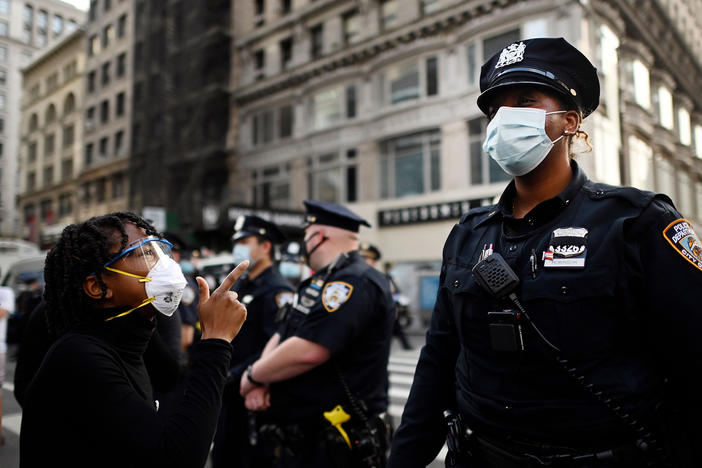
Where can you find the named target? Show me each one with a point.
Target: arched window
(50, 114)
(33, 122)
(69, 105)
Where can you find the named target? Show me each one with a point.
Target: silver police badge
(567, 248)
(513, 53)
(335, 294)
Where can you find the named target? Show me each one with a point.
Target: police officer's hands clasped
(221, 314)
(258, 399)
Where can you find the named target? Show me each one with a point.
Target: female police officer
(560, 347)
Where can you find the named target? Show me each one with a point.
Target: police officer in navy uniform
(593, 358)
(263, 291)
(330, 353)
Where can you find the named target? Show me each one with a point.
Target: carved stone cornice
(358, 54)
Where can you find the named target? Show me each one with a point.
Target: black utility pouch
(506, 332)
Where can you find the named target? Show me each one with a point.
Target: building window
(287, 121)
(640, 80)
(42, 19)
(68, 136)
(2, 101)
(122, 26)
(119, 143)
(333, 177)
(93, 45)
(352, 27)
(50, 115)
(684, 203)
(90, 118)
(72, 26)
(121, 64)
(640, 163)
(494, 44)
(286, 53)
(665, 176)
(48, 175)
(665, 108)
(326, 107)
(33, 122)
(69, 105)
(67, 169)
(104, 147)
(92, 13)
(88, 154)
(684, 130)
(430, 6)
(260, 12)
(482, 168)
(118, 185)
(389, 17)
(119, 111)
(404, 81)
(317, 41)
(698, 141)
(2, 126)
(32, 152)
(262, 128)
(105, 73)
(350, 101)
(52, 82)
(49, 144)
(3, 53)
(285, 6)
(4, 31)
(28, 16)
(65, 204)
(57, 25)
(100, 189)
(260, 63)
(4, 6)
(3, 76)
(104, 111)
(410, 165)
(46, 210)
(91, 81)
(31, 181)
(108, 35)
(272, 187)
(107, 6)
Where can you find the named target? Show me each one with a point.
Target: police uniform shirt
(262, 296)
(352, 317)
(625, 312)
(189, 301)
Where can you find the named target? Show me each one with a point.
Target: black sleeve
(130, 423)
(163, 367)
(36, 341)
(422, 431)
(670, 273)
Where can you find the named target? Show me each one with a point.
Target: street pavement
(401, 368)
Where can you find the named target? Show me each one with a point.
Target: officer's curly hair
(82, 250)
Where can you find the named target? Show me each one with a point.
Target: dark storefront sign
(428, 213)
(279, 217)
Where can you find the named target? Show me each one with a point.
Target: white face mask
(290, 269)
(242, 252)
(516, 139)
(166, 285)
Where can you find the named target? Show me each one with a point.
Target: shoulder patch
(283, 298)
(685, 241)
(335, 294)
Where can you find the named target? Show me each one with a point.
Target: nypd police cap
(549, 62)
(331, 214)
(369, 250)
(251, 225)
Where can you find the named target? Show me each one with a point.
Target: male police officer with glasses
(324, 373)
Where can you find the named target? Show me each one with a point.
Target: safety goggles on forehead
(142, 255)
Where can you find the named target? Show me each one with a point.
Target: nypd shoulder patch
(283, 298)
(335, 294)
(685, 241)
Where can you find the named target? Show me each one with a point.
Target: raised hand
(221, 314)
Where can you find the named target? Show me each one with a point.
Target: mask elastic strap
(324, 239)
(145, 302)
(142, 279)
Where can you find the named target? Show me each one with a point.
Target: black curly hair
(82, 250)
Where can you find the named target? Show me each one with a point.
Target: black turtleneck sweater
(91, 403)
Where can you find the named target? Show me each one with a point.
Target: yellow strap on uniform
(336, 418)
(146, 302)
(142, 279)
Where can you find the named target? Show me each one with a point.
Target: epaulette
(481, 210)
(636, 197)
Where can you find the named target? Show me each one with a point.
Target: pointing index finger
(233, 276)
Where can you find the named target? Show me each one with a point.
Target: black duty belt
(514, 454)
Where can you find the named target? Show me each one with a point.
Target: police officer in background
(263, 291)
(574, 359)
(324, 373)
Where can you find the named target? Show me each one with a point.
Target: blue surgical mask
(290, 269)
(187, 267)
(516, 139)
(242, 252)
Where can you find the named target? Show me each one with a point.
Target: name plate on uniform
(567, 248)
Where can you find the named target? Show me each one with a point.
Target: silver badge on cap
(513, 53)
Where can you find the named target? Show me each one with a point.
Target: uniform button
(456, 284)
(512, 248)
(530, 221)
(600, 193)
(564, 290)
(507, 407)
